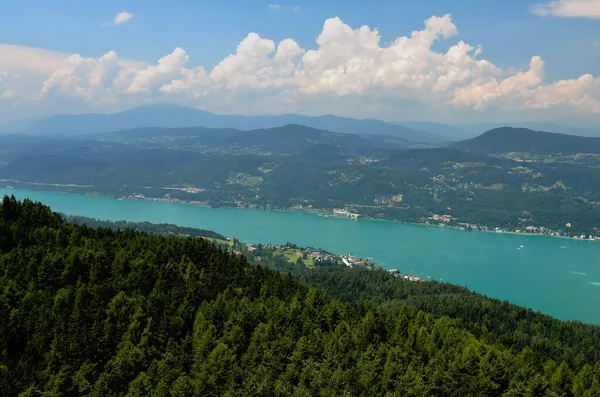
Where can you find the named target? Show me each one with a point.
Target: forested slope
(492, 320)
(507, 139)
(97, 312)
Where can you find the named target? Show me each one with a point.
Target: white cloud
(482, 92)
(273, 7)
(569, 9)
(253, 67)
(123, 17)
(191, 82)
(93, 78)
(296, 8)
(152, 77)
(352, 61)
(349, 70)
(582, 94)
(526, 91)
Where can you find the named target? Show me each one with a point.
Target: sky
(453, 61)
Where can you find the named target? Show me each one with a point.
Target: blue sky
(510, 33)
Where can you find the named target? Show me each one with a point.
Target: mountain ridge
(161, 115)
(154, 116)
(509, 139)
(475, 129)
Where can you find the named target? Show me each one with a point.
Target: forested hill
(94, 312)
(507, 139)
(160, 228)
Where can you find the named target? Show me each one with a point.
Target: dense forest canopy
(99, 312)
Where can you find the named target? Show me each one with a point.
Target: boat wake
(578, 273)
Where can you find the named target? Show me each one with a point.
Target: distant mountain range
(174, 116)
(507, 139)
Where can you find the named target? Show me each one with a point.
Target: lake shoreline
(516, 268)
(320, 212)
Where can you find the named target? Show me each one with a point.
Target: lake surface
(557, 276)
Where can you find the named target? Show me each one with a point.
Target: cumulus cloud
(152, 77)
(349, 69)
(191, 82)
(568, 9)
(482, 92)
(582, 94)
(92, 78)
(123, 17)
(253, 67)
(526, 91)
(351, 61)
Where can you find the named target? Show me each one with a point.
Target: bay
(557, 276)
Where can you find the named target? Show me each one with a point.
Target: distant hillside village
(448, 220)
(290, 254)
(308, 256)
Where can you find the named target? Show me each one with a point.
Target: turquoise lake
(560, 277)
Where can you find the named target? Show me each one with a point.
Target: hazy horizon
(460, 125)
